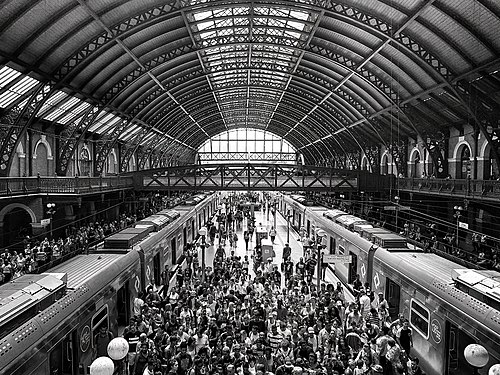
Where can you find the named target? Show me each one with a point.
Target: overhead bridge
(248, 177)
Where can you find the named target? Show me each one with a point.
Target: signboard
(389, 208)
(85, 339)
(436, 331)
(337, 259)
(45, 222)
(463, 225)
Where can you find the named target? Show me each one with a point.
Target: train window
(101, 317)
(419, 318)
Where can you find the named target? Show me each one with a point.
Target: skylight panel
(7, 75)
(51, 103)
(17, 90)
(74, 113)
(147, 138)
(108, 125)
(104, 118)
(130, 130)
(202, 15)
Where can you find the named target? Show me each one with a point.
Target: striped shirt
(275, 340)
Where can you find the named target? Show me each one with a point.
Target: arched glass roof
(330, 77)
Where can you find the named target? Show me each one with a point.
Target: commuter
(101, 341)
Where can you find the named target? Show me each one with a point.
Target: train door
(353, 268)
(156, 268)
(63, 359)
(299, 221)
(392, 292)
(173, 246)
(184, 236)
(199, 220)
(193, 231)
(308, 228)
(123, 305)
(333, 247)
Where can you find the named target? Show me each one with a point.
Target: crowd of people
(235, 319)
(77, 238)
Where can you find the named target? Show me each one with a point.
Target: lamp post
(117, 351)
(51, 210)
(274, 213)
(287, 226)
(396, 199)
(458, 215)
(318, 233)
(203, 233)
(102, 366)
(477, 356)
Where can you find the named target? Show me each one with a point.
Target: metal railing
(69, 185)
(459, 187)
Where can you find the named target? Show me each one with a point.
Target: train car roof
(332, 214)
(424, 267)
(376, 230)
(82, 268)
(483, 282)
(349, 219)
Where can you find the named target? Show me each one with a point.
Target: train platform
(283, 232)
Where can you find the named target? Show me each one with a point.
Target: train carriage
(59, 339)
(445, 316)
(101, 287)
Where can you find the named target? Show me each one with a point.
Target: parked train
(445, 316)
(100, 289)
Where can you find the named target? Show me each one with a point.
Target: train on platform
(443, 301)
(99, 289)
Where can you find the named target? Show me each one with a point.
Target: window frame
(428, 319)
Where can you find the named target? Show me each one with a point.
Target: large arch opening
(16, 220)
(246, 145)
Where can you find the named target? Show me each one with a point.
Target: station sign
(45, 222)
(337, 259)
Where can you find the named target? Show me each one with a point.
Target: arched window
(384, 167)
(85, 162)
(465, 164)
(415, 165)
(246, 145)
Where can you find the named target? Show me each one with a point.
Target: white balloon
(494, 370)
(476, 355)
(118, 348)
(102, 366)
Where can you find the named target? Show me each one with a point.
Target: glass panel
(7, 75)
(17, 90)
(419, 318)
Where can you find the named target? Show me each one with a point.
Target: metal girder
(485, 113)
(388, 30)
(139, 72)
(245, 176)
(16, 121)
(72, 135)
(74, 62)
(106, 143)
(399, 152)
(129, 148)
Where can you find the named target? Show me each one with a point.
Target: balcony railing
(68, 185)
(459, 187)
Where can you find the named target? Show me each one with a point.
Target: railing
(460, 187)
(68, 185)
